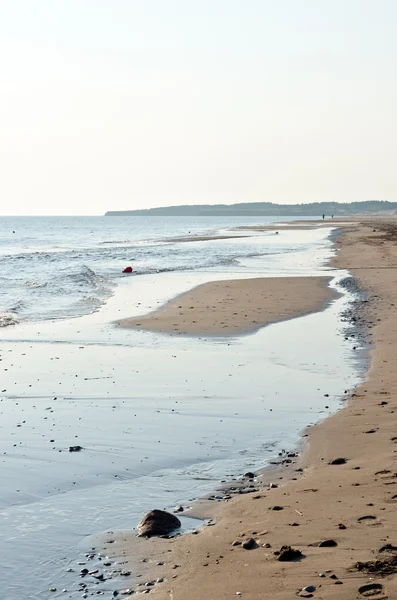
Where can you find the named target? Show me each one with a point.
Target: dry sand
(237, 306)
(319, 499)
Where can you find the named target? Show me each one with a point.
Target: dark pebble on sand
(249, 544)
(327, 544)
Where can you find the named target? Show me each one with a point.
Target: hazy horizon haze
(135, 104)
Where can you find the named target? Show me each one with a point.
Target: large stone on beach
(287, 554)
(158, 522)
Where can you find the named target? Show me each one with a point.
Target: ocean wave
(8, 318)
(109, 242)
(16, 307)
(85, 276)
(35, 284)
(94, 300)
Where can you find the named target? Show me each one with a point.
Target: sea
(161, 419)
(60, 267)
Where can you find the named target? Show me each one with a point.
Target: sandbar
(236, 306)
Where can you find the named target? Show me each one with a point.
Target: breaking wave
(8, 318)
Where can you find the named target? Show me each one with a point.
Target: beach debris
(157, 523)
(386, 565)
(127, 270)
(286, 553)
(75, 448)
(388, 548)
(178, 509)
(236, 543)
(327, 544)
(277, 507)
(321, 574)
(272, 486)
(249, 544)
(342, 526)
(249, 475)
(338, 461)
(366, 518)
(370, 589)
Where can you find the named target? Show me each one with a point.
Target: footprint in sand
(372, 590)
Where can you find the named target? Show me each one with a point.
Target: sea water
(57, 267)
(161, 419)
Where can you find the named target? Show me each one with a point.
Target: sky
(124, 104)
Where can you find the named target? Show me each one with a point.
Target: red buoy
(128, 270)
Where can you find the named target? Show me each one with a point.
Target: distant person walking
(323, 217)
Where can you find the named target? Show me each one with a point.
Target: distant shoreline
(267, 209)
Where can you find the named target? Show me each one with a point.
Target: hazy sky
(117, 104)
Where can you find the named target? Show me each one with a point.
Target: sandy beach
(335, 504)
(237, 306)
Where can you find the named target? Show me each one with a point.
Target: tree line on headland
(256, 209)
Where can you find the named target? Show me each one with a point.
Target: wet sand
(202, 238)
(350, 505)
(237, 306)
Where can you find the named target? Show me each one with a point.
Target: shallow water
(161, 419)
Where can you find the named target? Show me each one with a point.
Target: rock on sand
(158, 522)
